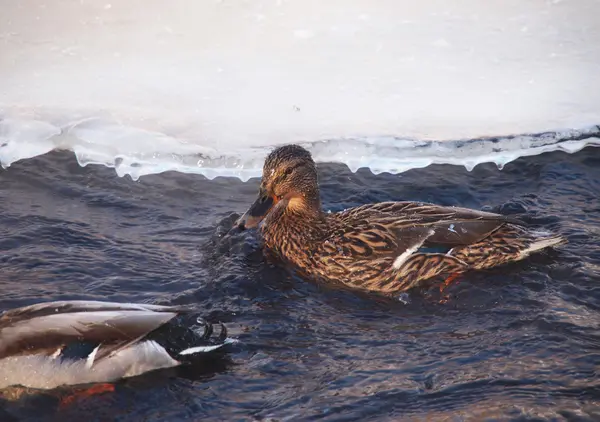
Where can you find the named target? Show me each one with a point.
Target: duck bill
(256, 213)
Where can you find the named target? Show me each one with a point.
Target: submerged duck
(377, 247)
(78, 342)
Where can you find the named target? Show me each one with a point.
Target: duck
(387, 247)
(61, 343)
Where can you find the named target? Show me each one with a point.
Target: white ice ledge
(136, 152)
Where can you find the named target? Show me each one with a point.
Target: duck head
(289, 185)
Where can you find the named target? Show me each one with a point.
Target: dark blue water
(521, 342)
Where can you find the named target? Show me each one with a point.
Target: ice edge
(115, 146)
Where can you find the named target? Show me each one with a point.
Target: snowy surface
(217, 77)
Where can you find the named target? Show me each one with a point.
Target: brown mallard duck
(377, 247)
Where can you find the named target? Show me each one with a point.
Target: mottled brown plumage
(377, 247)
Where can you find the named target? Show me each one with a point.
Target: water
(520, 342)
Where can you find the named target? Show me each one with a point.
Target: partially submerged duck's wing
(63, 343)
(49, 326)
(72, 306)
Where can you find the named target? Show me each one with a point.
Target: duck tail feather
(543, 240)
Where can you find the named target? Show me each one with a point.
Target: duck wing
(381, 255)
(379, 246)
(452, 226)
(46, 327)
(370, 239)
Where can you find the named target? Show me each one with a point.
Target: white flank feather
(401, 259)
(205, 349)
(90, 359)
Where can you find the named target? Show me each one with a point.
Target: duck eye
(288, 171)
